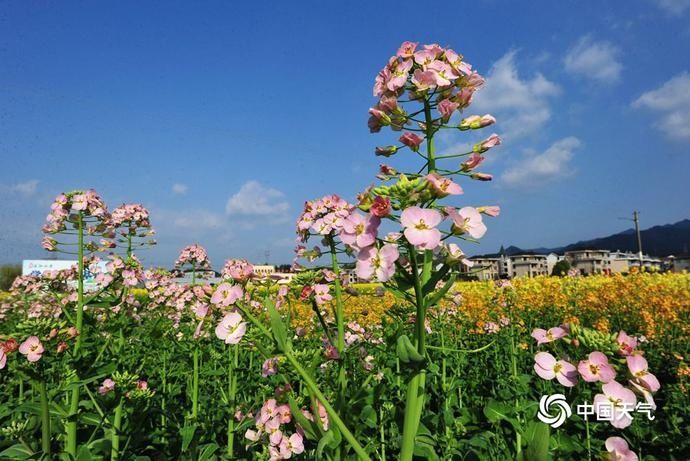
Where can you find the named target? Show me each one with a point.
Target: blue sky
(222, 118)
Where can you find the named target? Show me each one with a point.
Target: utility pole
(636, 219)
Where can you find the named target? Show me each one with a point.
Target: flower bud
(475, 122)
(386, 151)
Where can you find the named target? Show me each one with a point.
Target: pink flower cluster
(418, 71)
(323, 216)
(195, 255)
(239, 270)
(89, 203)
(132, 216)
(597, 368)
(270, 425)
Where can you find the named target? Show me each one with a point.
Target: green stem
(232, 390)
(333, 415)
(117, 428)
(45, 419)
(195, 384)
(71, 425)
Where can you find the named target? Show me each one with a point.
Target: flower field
(415, 364)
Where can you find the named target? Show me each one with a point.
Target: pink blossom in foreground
(546, 336)
(107, 386)
(32, 348)
(547, 367)
(381, 207)
(443, 186)
(467, 220)
(644, 392)
(321, 293)
(596, 368)
(626, 344)
(488, 143)
(618, 450)
(420, 227)
(378, 263)
(615, 404)
(492, 211)
(639, 370)
(226, 294)
(359, 231)
(455, 254)
(472, 162)
(475, 122)
(231, 328)
(411, 140)
(292, 445)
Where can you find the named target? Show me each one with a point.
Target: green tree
(560, 268)
(8, 272)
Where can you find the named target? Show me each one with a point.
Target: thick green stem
(71, 426)
(416, 389)
(232, 390)
(117, 428)
(45, 419)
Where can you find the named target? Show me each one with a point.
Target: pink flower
(424, 79)
(359, 231)
(455, 254)
(238, 270)
(446, 108)
(615, 404)
(443, 186)
(488, 143)
(292, 445)
(420, 227)
(284, 414)
(596, 368)
(268, 411)
(377, 262)
(474, 122)
(269, 367)
(424, 57)
(226, 294)
(490, 210)
(321, 294)
(107, 386)
(275, 435)
(231, 328)
(547, 367)
(546, 336)
(626, 344)
(443, 73)
(399, 74)
(467, 220)
(142, 385)
(3, 358)
(639, 369)
(32, 348)
(80, 202)
(472, 162)
(381, 207)
(619, 450)
(411, 140)
(406, 50)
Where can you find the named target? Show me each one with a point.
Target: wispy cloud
(672, 101)
(674, 7)
(595, 60)
(536, 169)
(521, 105)
(255, 199)
(26, 188)
(180, 189)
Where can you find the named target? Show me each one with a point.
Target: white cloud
(179, 189)
(521, 106)
(536, 169)
(675, 7)
(254, 199)
(597, 60)
(672, 101)
(26, 188)
(192, 219)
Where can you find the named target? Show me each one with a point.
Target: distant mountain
(669, 239)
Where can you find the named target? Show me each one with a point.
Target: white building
(623, 261)
(590, 261)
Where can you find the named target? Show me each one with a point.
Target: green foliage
(8, 272)
(561, 268)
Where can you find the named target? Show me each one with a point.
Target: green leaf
(187, 433)
(310, 429)
(323, 443)
(432, 299)
(206, 452)
(496, 411)
(277, 326)
(17, 451)
(84, 454)
(538, 445)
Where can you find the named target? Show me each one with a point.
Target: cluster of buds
(323, 216)
(195, 255)
(126, 384)
(66, 206)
